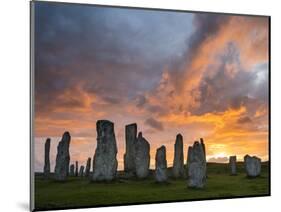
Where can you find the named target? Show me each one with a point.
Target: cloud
(154, 124)
(230, 86)
(244, 120)
(206, 26)
(141, 100)
(104, 51)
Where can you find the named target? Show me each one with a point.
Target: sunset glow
(202, 75)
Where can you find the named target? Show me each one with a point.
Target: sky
(198, 74)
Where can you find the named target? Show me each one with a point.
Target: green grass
(78, 192)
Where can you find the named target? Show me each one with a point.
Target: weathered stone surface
(76, 168)
(71, 170)
(161, 165)
(63, 158)
(47, 167)
(178, 164)
(142, 158)
(81, 171)
(105, 161)
(129, 156)
(88, 168)
(232, 165)
(252, 166)
(196, 165)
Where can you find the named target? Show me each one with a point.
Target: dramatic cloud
(201, 75)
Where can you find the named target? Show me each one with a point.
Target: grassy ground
(77, 192)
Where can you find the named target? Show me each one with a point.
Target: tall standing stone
(47, 158)
(142, 158)
(189, 152)
(71, 170)
(129, 156)
(63, 158)
(88, 168)
(178, 164)
(252, 166)
(203, 146)
(76, 168)
(105, 161)
(204, 150)
(196, 166)
(232, 165)
(81, 171)
(161, 165)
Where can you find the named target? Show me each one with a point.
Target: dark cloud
(156, 109)
(106, 51)
(218, 160)
(141, 101)
(206, 27)
(153, 123)
(244, 120)
(230, 85)
(112, 100)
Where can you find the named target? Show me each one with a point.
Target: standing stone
(178, 164)
(189, 152)
(252, 166)
(204, 149)
(81, 171)
(232, 165)
(71, 170)
(129, 156)
(105, 161)
(63, 158)
(142, 158)
(196, 166)
(88, 168)
(161, 165)
(76, 169)
(203, 145)
(47, 158)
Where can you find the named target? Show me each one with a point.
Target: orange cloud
(227, 136)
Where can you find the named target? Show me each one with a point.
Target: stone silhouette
(252, 166)
(204, 149)
(196, 165)
(178, 164)
(63, 158)
(88, 168)
(47, 167)
(188, 154)
(71, 170)
(161, 165)
(76, 169)
(142, 158)
(232, 165)
(81, 171)
(203, 145)
(129, 156)
(105, 161)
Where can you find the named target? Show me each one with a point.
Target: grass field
(79, 192)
